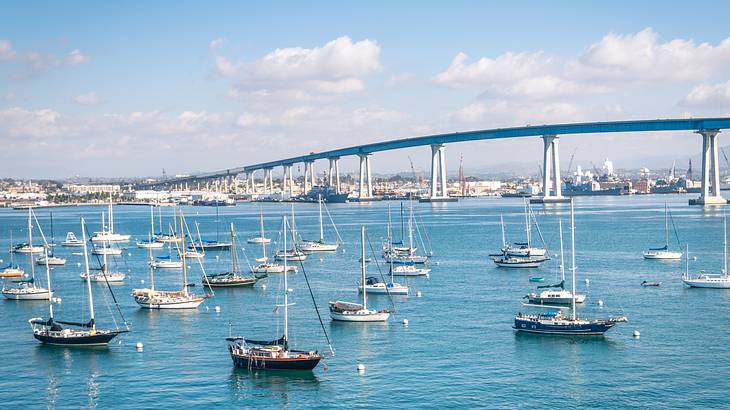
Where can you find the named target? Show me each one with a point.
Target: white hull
(194, 255)
(272, 268)
(167, 265)
(35, 249)
(72, 244)
(107, 251)
(110, 237)
(383, 289)
(259, 241)
(318, 247)
(361, 316)
(666, 255)
(708, 281)
(189, 304)
(153, 245)
(405, 271)
(525, 251)
(52, 261)
(109, 277)
(27, 294)
(290, 257)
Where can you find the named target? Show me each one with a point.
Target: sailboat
(524, 249)
(233, 277)
(556, 294)
(262, 238)
(374, 285)
(215, 245)
(149, 242)
(272, 354)
(150, 298)
(12, 270)
(404, 256)
(704, 280)
(663, 252)
(319, 245)
(52, 332)
(103, 275)
(71, 241)
(193, 252)
(108, 235)
(49, 258)
(27, 288)
(264, 266)
(293, 254)
(358, 312)
(507, 260)
(555, 322)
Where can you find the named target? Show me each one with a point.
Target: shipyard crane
(725, 156)
(416, 179)
(570, 164)
(596, 170)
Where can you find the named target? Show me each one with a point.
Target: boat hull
(43, 294)
(663, 255)
(97, 339)
(260, 363)
(360, 317)
(707, 283)
(577, 329)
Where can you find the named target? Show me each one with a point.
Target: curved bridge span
(708, 128)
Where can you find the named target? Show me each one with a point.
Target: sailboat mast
(362, 268)
(686, 262)
(390, 240)
(402, 225)
(724, 244)
(30, 244)
(111, 215)
(152, 220)
(53, 238)
(88, 275)
(12, 253)
(159, 217)
(50, 289)
(286, 287)
(152, 268)
(527, 224)
(666, 227)
(562, 258)
(217, 222)
(234, 265)
(105, 260)
(572, 255)
(410, 229)
(321, 227)
(504, 239)
(182, 255)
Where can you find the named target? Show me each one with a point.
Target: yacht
(706, 280)
(358, 312)
(664, 252)
(319, 245)
(108, 235)
(71, 241)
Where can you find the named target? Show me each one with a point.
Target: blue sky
(127, 89)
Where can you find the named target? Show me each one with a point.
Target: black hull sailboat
(62, 333)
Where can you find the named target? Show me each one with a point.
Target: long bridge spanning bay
(708, 128)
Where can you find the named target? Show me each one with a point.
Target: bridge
(708, 128)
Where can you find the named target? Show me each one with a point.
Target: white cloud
(640, 56)
(6, 51)
(9, 97)
(499, 113)
(545, 86)
(215, 43)
(369, 115)
(88, 99)
(17, 121)
(337, 67)
(709, 95)
(248, 119)
(76, 57)
(505, 68)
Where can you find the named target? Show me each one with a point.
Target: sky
(131, 88)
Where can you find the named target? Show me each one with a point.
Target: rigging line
(200, 262)
(116, 303)
(316, 309)
(375, 258)
(539, 232)
(420, 237)
(425, 232)
(674, 227)
(333, 223)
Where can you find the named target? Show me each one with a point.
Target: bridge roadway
(707, 127)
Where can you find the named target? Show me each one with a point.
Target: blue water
(458, 350)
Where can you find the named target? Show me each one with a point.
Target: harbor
(459, 318)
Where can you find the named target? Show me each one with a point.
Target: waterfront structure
(708, 128)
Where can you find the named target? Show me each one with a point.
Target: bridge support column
(366, 183)
(308, 169)
(252, 175)
(710, 192)
(439, 183)
(268, 181)
(313, 174)
(286, 181)
(551, 190)
(333, 174)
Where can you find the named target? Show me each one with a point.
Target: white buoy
(418, 294)
(637, 333)
(405, 322)
(343, 251)
(141, 281)
(588, 281)
(694, 258)
(139, 346)
(437, 263)
(129, 253)
(78, 264)
(360, 367)
(600, 302)
(263, 287)
(321, 259)
(217, 308)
